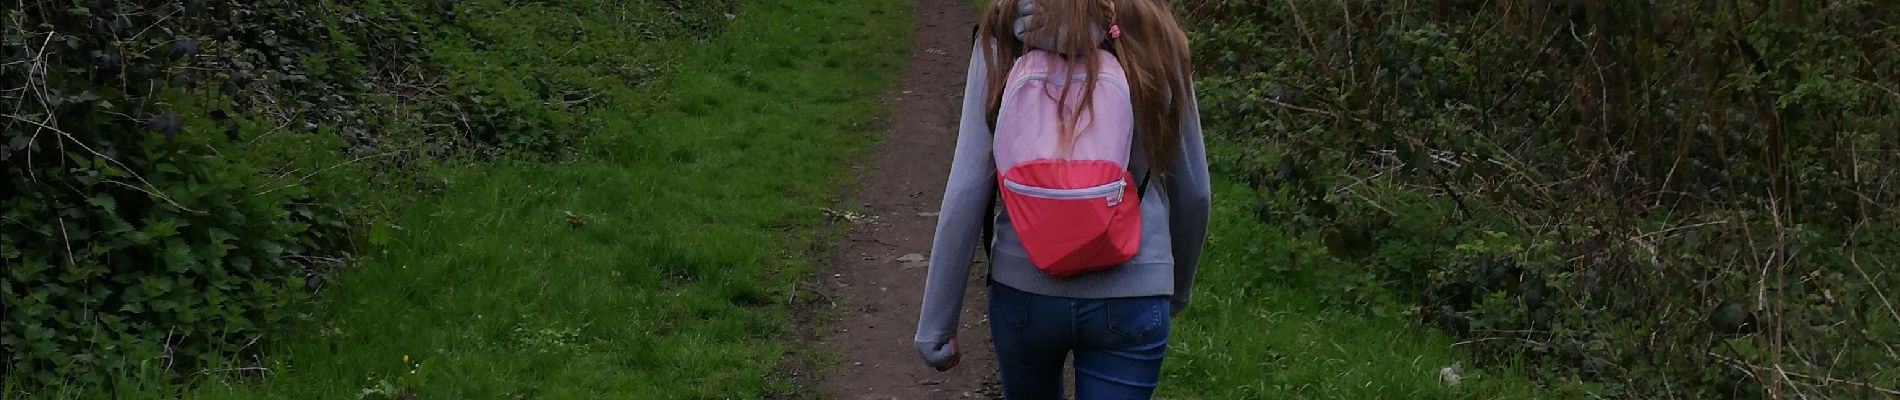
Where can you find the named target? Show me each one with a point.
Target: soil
(876, 277)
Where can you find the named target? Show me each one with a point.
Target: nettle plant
(172, 169)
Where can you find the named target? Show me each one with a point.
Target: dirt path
(878, 288)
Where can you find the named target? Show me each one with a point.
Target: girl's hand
(1026, 22)
(942, 356)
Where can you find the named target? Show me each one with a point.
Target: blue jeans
(1118, 343)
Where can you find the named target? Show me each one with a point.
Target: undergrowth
(1262, 327)
(1685, 200)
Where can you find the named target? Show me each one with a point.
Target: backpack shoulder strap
(989, 225)
(989, 211)
(1141, 189)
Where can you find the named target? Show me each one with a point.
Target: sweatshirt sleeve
(972, 182)
(1190, 196)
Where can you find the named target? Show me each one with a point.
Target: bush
(155, 215)
(1675, 198)
(182, 173)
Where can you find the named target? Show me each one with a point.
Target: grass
(654, 266)
(1252, 335)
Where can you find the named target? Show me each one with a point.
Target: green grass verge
(1251, 335)
(689, 227)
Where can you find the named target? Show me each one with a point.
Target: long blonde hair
(1153, 52)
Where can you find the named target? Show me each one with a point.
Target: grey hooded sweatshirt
(1174, 214)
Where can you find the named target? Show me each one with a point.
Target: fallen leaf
(913, 261)
(1450, 375)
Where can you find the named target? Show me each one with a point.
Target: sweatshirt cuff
(936, 354)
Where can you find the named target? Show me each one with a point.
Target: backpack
(1076, 208)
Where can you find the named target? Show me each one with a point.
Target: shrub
(155, 214)
(1674, 198)
(181, 173)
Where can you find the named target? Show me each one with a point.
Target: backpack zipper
(1111, 190)
(1077, 78)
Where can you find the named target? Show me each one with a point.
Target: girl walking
(1082, 113)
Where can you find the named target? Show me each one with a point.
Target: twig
(1891, 91)
(37, 68)
(67, 241)
(306, 177)
(268, 133)
(95, 153)
(168, 354)
(1603, 85)
(151, 192)
(1306, 109)
(233, 369)
(1749, 369)
(1310, 44)
(1854, 259)
(1784, 378)
(1718, 222)
(332, 260)
(1495, 338)
(161, 21)
(1457, 199)
(1829, 380)
(1352, 61)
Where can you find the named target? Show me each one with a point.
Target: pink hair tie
(1114, 31)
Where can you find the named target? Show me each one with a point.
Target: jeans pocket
(1137, 320)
